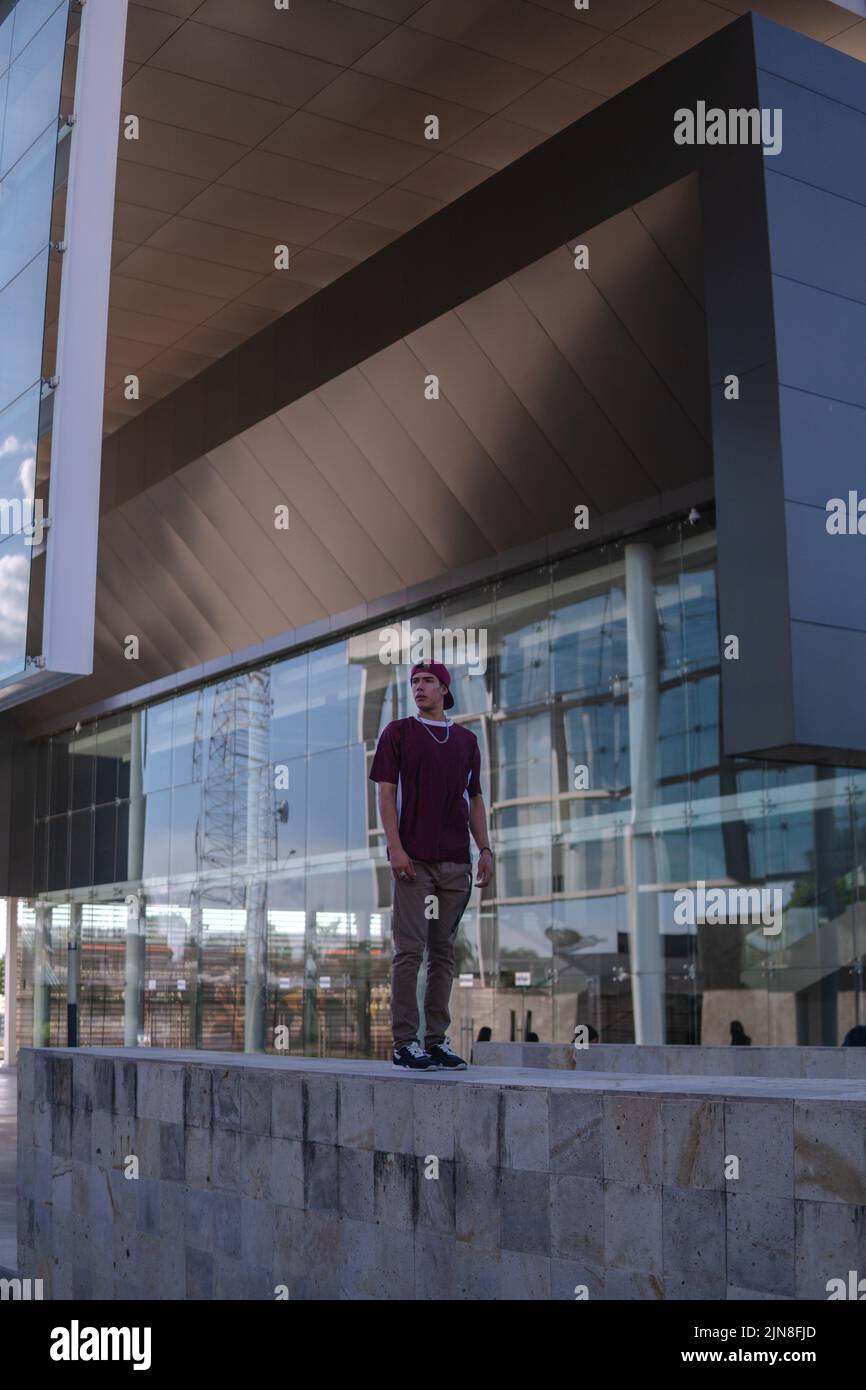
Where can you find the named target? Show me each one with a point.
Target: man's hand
(401, 866)
(485, 870)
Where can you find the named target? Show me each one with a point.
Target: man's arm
(401, 864)
(478, 826)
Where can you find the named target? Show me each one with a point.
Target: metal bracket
(59, 246)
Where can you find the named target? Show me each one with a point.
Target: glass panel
(33, 102)
(18, 432)
(328, 699)
(22, 323)
(14, 588)
(586, 865)
(30, 15)
(26, 195)
(7, 24)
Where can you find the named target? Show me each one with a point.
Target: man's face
(429, 694)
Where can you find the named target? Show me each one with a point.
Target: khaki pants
(439, 887)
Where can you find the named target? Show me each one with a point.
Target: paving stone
(198, 1228)
(198, 1157)
(633, 1140)
(226, 1093)
(287, 1172)
(577, 1219)
(227, 1224)
(226, 1159)
(395, 1261)
(434, 1111)
(147, 1191)
(830, 1240)
(437, 1198)
(698, 1285)
(323, 1254)
(693, 1134)
(125, 1087)
(171, 1152)
(693, 1233)
(632, 1285)
(172, 1270)
(477, 1126)
(198, 1096)
(287, 1107)
(255, 1168)
(573, 1282)
(576, 1128)
(478, 1214)
(761, 1135)
(320, 1109)
(199, 1275)
(830, 1152)
(632, 1228)
(356, 1128)
(395, 1181)
(256, 1103)
(289, 1243)
(525, 1206)
(357, 1197)
(435, 1266)
(394, 1116)
(524, 1276)
(359, 1277)
(760, 1243)
(477, 1273)
(321, 1181)
(237, 1281)
(148, 1147)
(526, 1133)
(257, 1233)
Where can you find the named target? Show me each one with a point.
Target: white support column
(645, 942)
(76, 445)
(10, 1028)
(41, 987)
(73, 975)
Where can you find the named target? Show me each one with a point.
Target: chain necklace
(440, 741)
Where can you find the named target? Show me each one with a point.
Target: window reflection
(256, 815)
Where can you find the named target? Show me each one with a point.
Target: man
(428, 769)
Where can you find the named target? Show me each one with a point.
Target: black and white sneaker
(444, 1057)
(412, 1057)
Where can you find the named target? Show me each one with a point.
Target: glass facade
(218, 861)
(33, 56)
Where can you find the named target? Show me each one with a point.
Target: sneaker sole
(443, 1066)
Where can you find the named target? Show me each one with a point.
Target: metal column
(10, 1039)
(73, 973)
(645, 941)
(41, 975)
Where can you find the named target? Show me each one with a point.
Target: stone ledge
(672, 1059)
(350, 1180)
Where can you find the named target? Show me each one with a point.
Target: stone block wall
(347, 1180)
(830, 1063)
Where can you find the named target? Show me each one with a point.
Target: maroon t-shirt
(434, 781)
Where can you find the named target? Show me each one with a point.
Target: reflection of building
(204, 832)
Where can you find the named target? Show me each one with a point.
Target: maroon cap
(442, 674)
